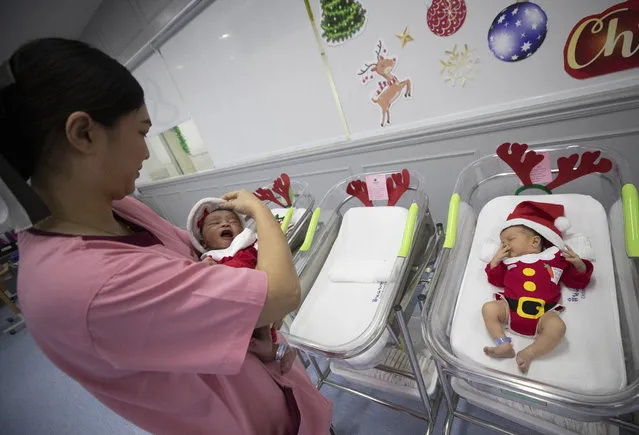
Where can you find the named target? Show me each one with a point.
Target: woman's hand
(503, 252)
(263, 347)
(573, 258)
(243, 201)
(289, 358)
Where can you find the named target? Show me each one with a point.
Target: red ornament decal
(445, 17)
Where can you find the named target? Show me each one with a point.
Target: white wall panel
(163, 99)
(253, 80)
(497, 87)
(439, 157)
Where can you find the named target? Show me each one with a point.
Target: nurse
(111, 292)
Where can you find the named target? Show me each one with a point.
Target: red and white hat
(547, 219)
(198, 213)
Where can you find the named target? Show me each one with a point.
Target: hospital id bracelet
(502, 340)
(281, 350)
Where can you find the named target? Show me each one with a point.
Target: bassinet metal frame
(413, 295)
(568, 402)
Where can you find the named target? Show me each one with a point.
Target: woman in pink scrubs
(111, 292)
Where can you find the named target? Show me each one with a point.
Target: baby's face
(220, 228)
(520, 241)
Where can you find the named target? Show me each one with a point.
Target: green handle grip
(287, 219)
(409, 229)
(630, 201)
(451, 225)
(310, 233)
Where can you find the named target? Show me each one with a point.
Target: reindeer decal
(390, 87)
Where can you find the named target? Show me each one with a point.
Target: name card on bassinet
(541, 173)
(376, 185)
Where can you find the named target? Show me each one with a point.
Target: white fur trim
(544, 231)
(242, 241)
(191, 222)
(577, 242)
(582, 246)
(488, 250)
(546, 255)
(562, 223)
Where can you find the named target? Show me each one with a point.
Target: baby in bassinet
(222, 237)
(530, 265)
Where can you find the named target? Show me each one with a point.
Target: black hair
(53, 78)
(543, 242)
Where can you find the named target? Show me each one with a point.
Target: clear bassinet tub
(291, 204)
(353, 266)
(489, 180)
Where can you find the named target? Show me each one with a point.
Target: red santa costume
(532, 282)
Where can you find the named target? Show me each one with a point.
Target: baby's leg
(495, 316)
(551, 330)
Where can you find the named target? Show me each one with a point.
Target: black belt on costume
(513, 304)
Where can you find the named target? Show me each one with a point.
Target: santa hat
(198, 213)
(546, 219)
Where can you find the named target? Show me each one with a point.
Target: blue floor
(38, 399)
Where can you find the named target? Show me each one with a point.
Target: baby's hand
(278, 324)
(503, 252)
(209, 261)
(573, 258)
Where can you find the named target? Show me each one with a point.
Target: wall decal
(445, 17)
(405, 37)
(604, 43)
(518, 31)
(341, 20)
(459, 66)
(389, 88)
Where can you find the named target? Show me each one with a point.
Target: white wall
(252, 77)
(163, 99)
(498, 86)
(437, 132)
(438, 153)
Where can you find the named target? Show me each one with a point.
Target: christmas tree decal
(341, 20)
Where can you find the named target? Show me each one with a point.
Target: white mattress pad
(589, 360)
(337, 314)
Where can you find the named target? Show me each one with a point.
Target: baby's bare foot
(504, 350)
(523, 360)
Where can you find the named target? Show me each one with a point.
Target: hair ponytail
(44, 82)
(12, 147)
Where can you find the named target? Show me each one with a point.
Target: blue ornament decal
(518, 32)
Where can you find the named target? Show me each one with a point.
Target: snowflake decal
(459, 66)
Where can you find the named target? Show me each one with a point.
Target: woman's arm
(274, 257)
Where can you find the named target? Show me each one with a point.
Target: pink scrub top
(159, 337)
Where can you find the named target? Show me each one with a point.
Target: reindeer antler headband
(281, 187)
(396, 184)
(523, 162)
